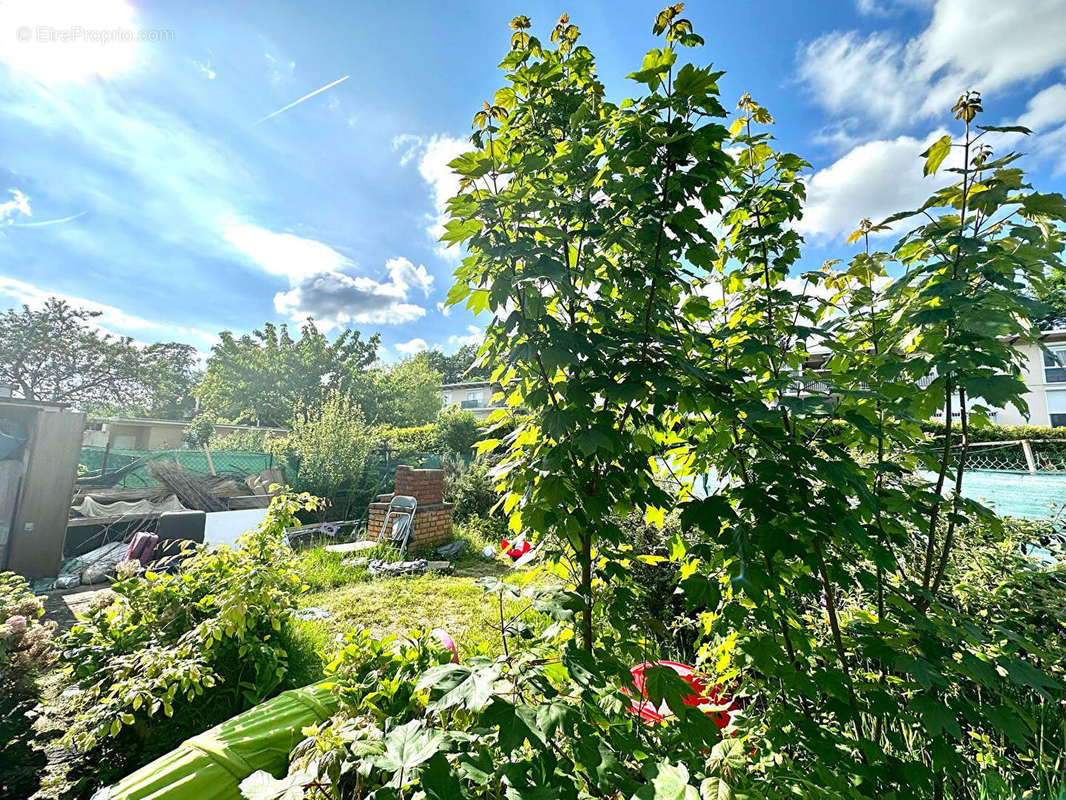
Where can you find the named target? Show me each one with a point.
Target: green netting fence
(132, 465)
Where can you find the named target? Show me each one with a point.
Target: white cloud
(1045, 114)
(444, 309)
(60, 41)
(18, 204)
(404, 275)
(981, 44)
(321, 283)
(414, 346)
(336, 299)
(887, 8)
(474, 336)
(873, 180)
(434, 154)
(284, 254)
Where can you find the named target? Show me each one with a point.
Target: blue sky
(139, 177)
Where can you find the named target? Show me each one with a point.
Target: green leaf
(406, 747)
(1045, 205)
(262, 785)
(514, 727)
(1006, 128)
(667, 782)
(936, 154)
(656, 64)
(936, 717)
(715, 789)
(461, 686)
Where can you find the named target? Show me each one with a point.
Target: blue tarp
(1029, 495)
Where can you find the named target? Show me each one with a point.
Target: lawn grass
(356, 600)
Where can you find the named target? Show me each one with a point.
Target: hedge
(998, 433)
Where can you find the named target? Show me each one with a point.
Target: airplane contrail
(48, 221)
(305, 97)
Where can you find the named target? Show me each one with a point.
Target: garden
(737, 586)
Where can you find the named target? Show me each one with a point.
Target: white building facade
(1044, 373)
(475, 397)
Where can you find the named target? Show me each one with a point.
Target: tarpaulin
(212, 765)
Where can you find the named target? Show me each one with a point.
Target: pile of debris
(178, 489)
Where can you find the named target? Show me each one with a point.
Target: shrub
(327, 451)
(418, 439)
(207, 641)
(244, 441)
(200, 430)
(25, 641)
(470, 487)
(457, 431)
(997, 433)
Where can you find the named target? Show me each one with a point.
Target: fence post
(210, 463)
(107, 452)
(1027, 449)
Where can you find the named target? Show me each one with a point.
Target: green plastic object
(212, 765)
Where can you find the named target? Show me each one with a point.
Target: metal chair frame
(401, 513)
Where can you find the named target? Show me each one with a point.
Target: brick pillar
(433, 517)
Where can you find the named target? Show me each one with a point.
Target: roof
(21, 401)
(471, 385)
(183, 423)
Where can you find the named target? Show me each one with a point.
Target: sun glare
(60, 41)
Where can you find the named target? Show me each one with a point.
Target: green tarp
(212, 765)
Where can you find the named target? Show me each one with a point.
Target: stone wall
(433, 517)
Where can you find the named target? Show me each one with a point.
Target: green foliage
(56, 353)
(243, 440)
(1051, 294)
(201, 429)
(263, 377)
(404, 394)
(471, 487)
(997, 433)
(210, 639)
(642, 351)
(25, 641)
(454, 431)
(327, 449)
(481, 532)
(416, 439)
(462, 366)
(457, 431)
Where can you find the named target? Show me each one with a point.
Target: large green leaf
(261, 785)
(666, 781)
(406, 747)
(460, 686)
(936, 154)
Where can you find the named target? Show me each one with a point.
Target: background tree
(404, 394)
(169, 372)
(1051, 292)
(58, 353)
(326, 451)
(264, 376)
(458, 367)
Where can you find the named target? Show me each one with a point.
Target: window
(1055, 366)
(1056, 407)
(476, 395)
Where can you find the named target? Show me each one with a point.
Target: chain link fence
(1026, 455)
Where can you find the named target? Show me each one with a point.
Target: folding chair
(401, 515)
